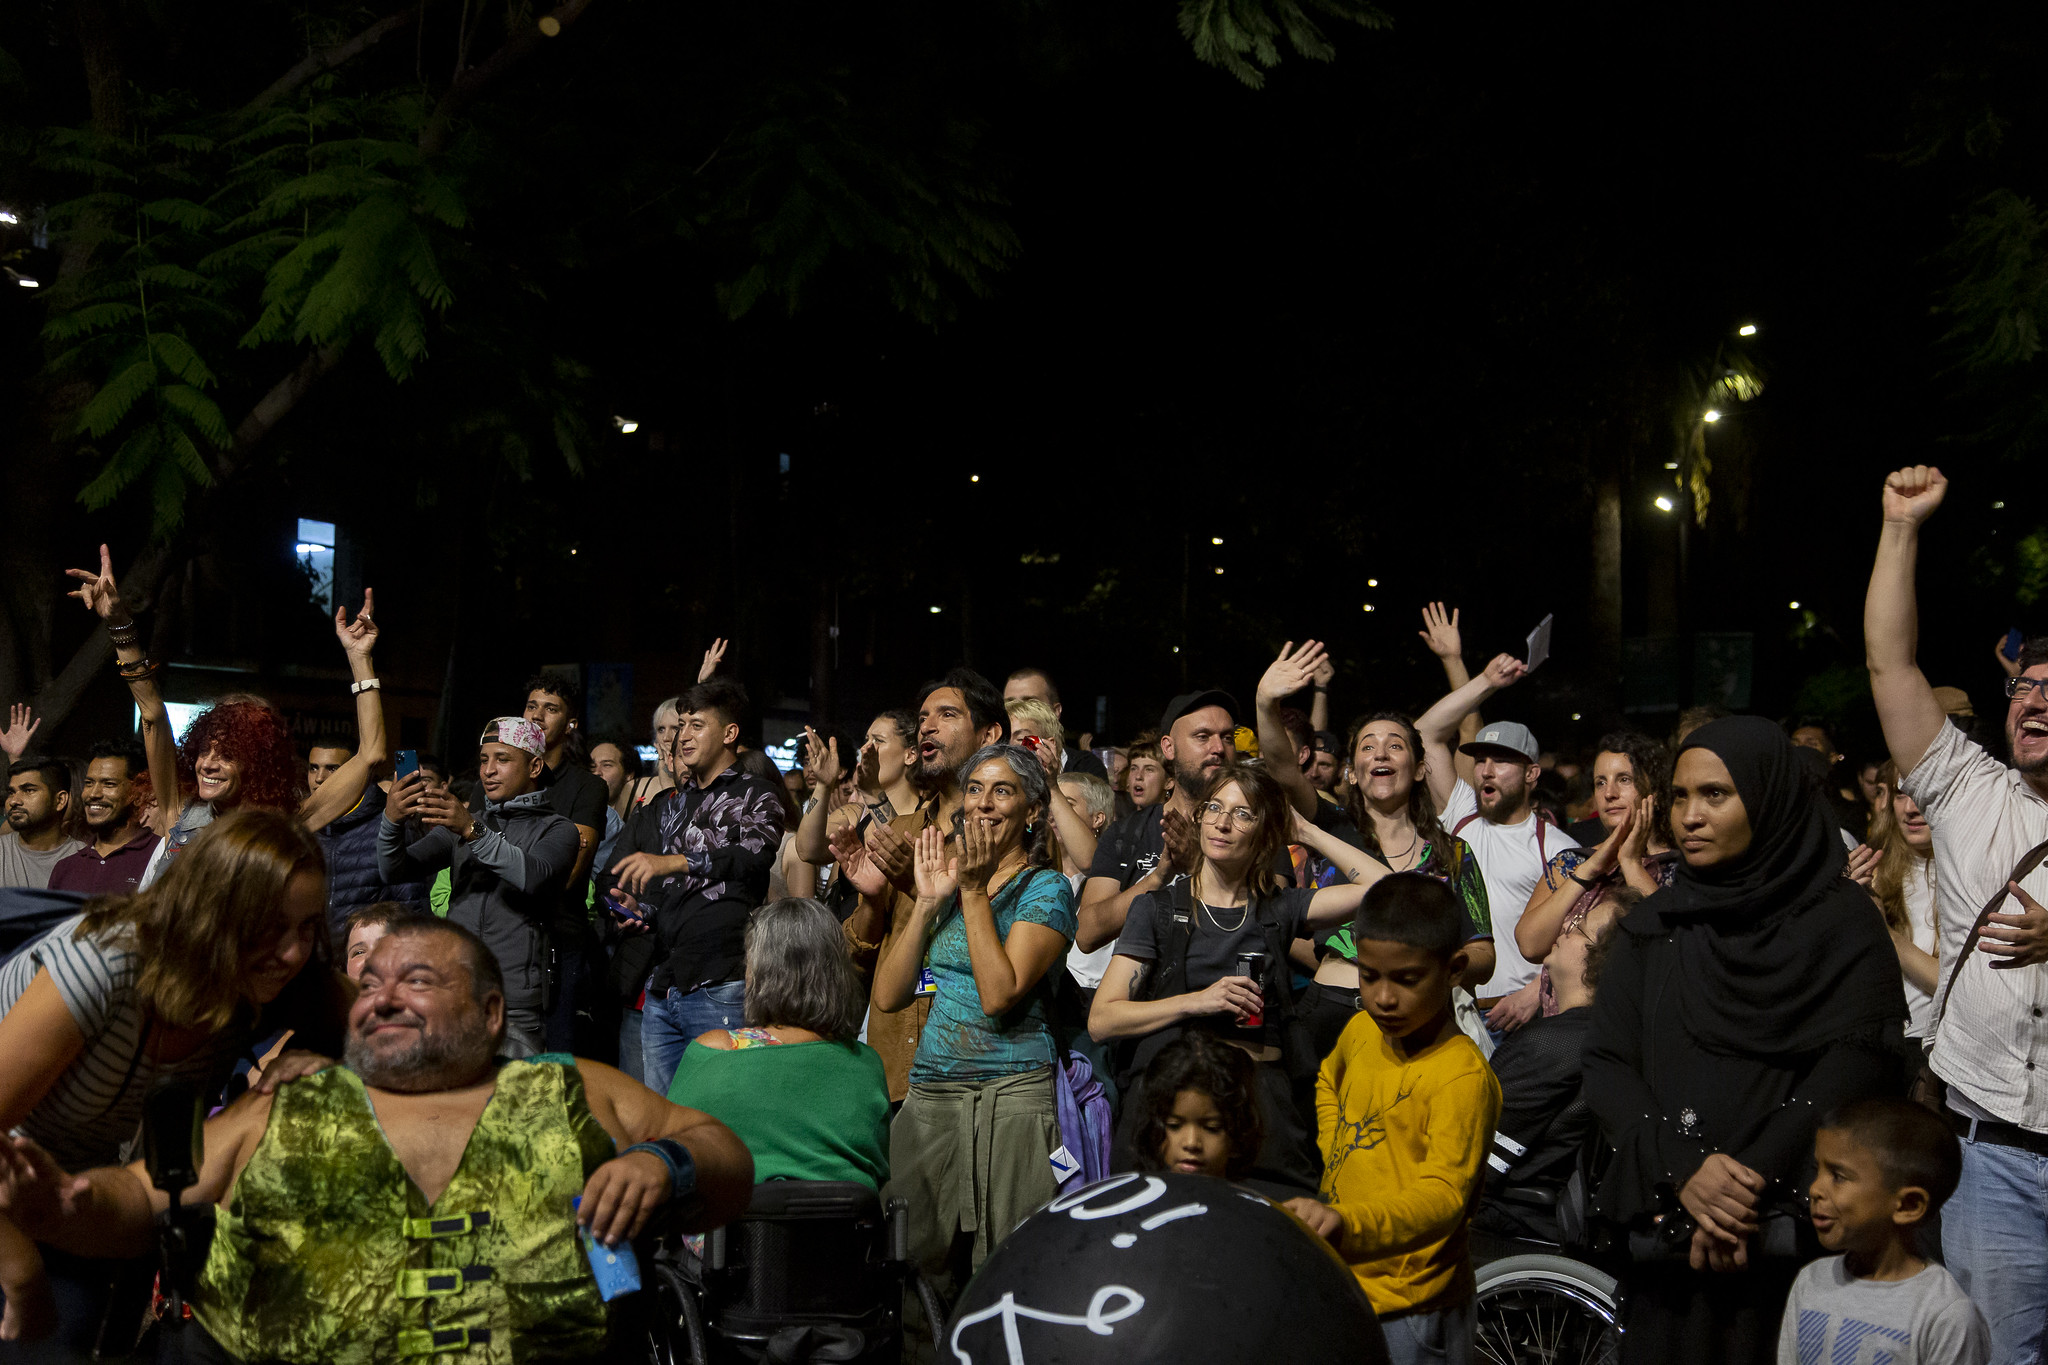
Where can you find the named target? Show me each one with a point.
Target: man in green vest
(420, 1201)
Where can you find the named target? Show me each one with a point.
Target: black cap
(1326, 742)
(1195, 701)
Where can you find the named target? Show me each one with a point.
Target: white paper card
(1539, 642)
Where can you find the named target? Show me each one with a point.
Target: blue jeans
(1992, 1234)
(669, 1023)
(1443, 1334)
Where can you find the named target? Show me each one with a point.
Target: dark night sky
(1358, 324)
(1384, 319)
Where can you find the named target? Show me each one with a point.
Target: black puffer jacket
(353, 880)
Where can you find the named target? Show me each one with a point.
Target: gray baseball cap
(1513, 736)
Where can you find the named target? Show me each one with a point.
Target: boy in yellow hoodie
(1406, 1107)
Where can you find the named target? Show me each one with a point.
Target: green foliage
(2000, 283)
(812, 181)
(320, 222)
(1236, 34)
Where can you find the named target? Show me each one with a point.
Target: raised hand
(938, 876)
(713, 657)
(821, 762)
(20, 730)
(893, 853)
(1637, 846)
(1325, 671)
(1503, 670)
(1607, 857)
(1292, 671)
(1911, 494)
(98, 591)
(404, 800)
(855, 865)
(1183, 843)
(978, 855)
(1440, 631)
(358, 637)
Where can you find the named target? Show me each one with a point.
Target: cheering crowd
(1776, 1011)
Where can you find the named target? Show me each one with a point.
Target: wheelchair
(813, 1271)
(1543, 1298)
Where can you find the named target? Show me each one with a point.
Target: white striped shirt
(92, 1113)
(1985, 817)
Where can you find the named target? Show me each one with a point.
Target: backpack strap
(2024, 868)
(1173, 929)
(1459, 828)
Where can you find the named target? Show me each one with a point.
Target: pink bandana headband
(518, 732)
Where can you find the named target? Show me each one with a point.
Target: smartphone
(408, 764)
(1030, 742)
(614, 902)
(2014, 642)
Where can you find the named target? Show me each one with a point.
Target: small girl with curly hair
(1200, 1109)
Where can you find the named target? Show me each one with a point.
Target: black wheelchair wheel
(1546, 1310)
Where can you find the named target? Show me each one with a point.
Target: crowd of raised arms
(1774, 1011)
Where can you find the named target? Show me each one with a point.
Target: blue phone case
(617, 1269)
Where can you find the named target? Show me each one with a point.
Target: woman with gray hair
(990, 921)
(806, 1096)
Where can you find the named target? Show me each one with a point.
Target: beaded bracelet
(142, 668)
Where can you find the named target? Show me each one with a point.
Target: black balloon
(1180, 1268)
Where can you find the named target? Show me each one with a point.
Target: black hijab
(1779, 953)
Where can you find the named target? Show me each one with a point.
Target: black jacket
(353, 880)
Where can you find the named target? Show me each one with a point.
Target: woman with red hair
(239, 753)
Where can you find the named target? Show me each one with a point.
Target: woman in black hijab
(1735, 1009)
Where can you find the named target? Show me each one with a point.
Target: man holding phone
(508, 863)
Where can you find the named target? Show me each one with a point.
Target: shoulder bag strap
(2023, 868)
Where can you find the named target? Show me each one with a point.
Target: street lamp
(1663, 504)
(1711, 415)
(1747, 329)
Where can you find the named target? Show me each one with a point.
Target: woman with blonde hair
(1903, 887)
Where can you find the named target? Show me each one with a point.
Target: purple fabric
(1084, 1120)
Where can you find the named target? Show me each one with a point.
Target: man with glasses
(1989, 1036)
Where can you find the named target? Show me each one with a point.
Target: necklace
(1211, 911)
(1394, 860)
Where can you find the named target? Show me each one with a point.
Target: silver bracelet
(356, 689)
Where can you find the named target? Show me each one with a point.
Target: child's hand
(1322, 1220)
(31, 1310)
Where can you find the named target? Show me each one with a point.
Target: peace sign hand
(713, 657)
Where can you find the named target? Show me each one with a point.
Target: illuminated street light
(1219, 568)
(1795, 606)
(1663, 503)
(935, 611)
(1711, 415)
(626, 425)
(1215, 540)
(1368, 606)
(1372, 582)
(1671, 464)
(1747, 329)
(974, 478)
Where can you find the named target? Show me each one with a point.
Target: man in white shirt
(1990, 1036)
(1483, 795)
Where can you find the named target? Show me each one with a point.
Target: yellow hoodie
(1404, 1144)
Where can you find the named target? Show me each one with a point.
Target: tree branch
(332, 57)
(472, 83)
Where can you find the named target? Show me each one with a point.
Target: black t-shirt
(1214, 944)
(1130, 848)
(1588, 833)
(578, 796)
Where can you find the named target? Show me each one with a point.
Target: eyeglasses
(2017, 687)
(1213, 812)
